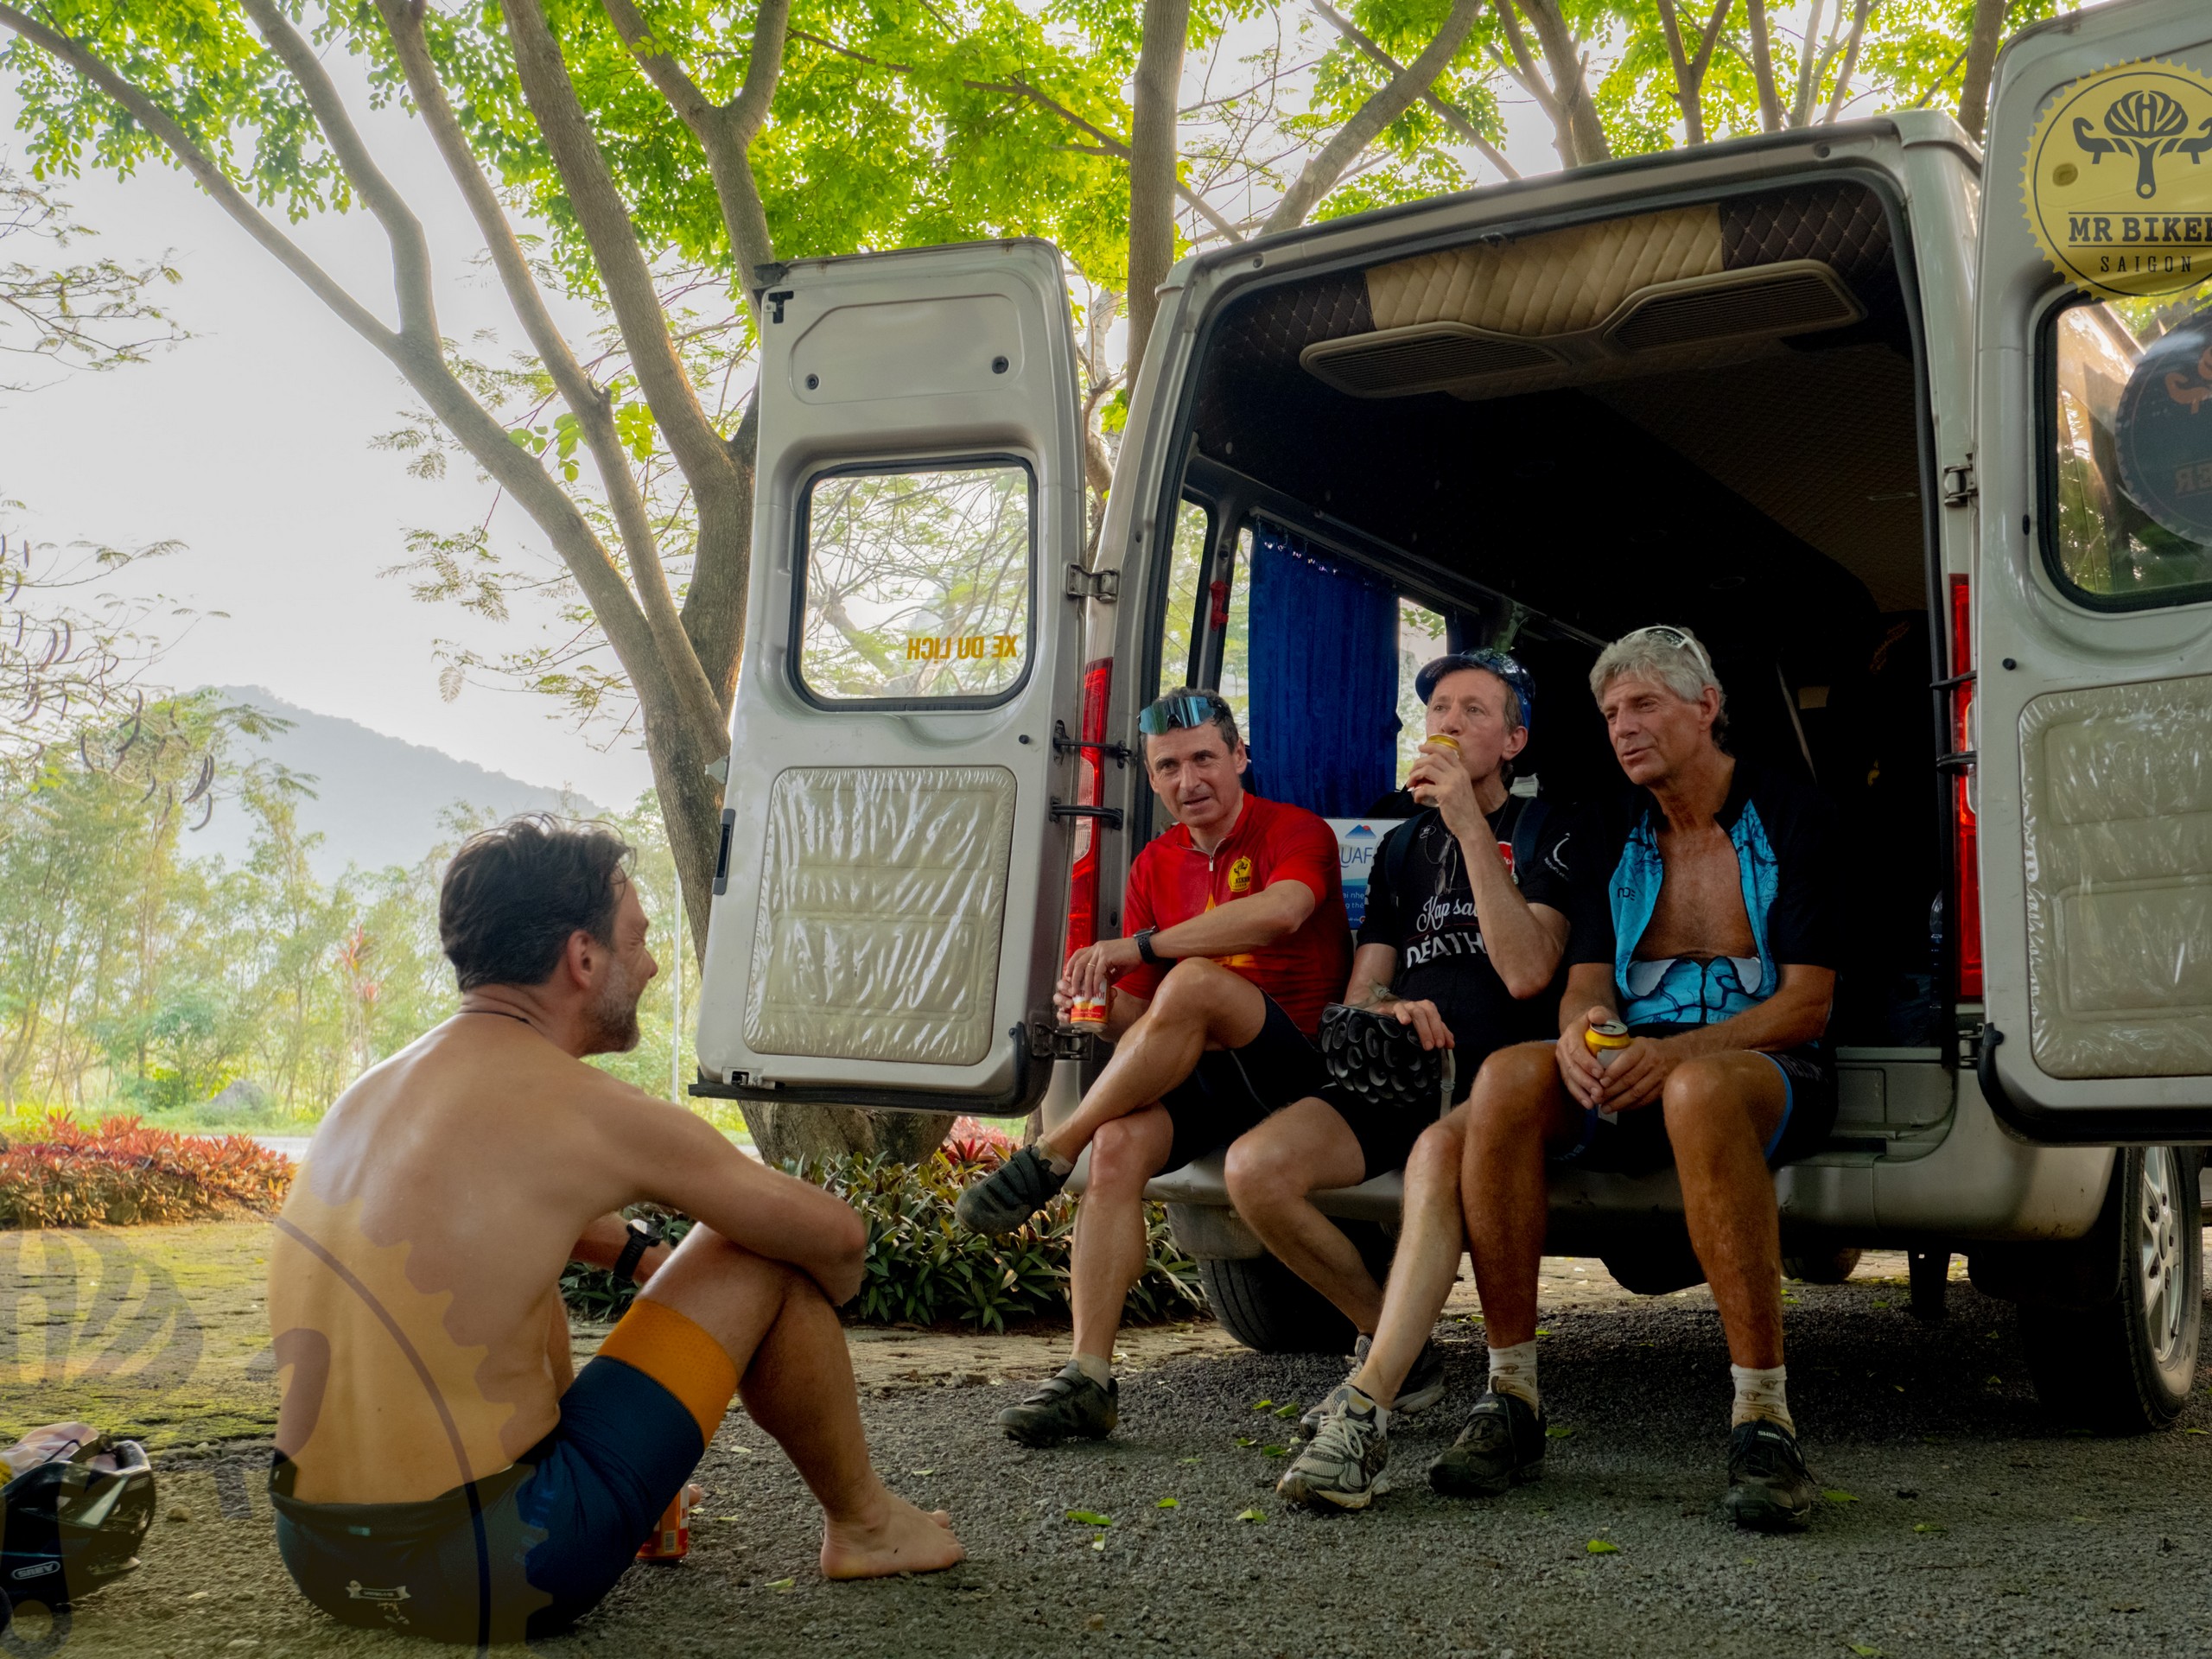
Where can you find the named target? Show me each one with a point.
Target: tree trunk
(1152, 165)
(1982, 62)
(1570, 85)
(1763, 66)
(819, 1131)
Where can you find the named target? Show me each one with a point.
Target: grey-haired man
(1713, 937)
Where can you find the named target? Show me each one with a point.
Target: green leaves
(1601, 1547)
(1090, 1518)
(1837, 1496)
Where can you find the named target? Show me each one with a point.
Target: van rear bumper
(1978, 1183)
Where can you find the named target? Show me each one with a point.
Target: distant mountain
(377, 799)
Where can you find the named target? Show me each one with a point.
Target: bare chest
(1701, 912)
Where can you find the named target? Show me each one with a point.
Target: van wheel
(1827, 1268)
(1270, 1309)
(1664, 1266)
(2124, 1365)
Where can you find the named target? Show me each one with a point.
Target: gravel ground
(1961, 1520)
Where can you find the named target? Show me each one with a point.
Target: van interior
(1709, 415)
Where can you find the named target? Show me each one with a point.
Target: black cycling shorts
(1386, 1133)
(1635, 1142)
(521, 1554)
(1233, 1090)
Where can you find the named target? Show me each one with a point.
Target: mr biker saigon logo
(2118, 186)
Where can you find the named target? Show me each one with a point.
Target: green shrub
(922, 1268)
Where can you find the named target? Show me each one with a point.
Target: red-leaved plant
(121, 1172)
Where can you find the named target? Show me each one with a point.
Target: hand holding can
(1441, 742)
(1088, 1012)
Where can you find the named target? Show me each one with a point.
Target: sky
(250, 444)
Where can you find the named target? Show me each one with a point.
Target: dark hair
(1172, 705)
(513, 896)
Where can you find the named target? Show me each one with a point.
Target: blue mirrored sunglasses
(1177, 714)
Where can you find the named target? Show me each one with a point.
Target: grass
(159, 1333)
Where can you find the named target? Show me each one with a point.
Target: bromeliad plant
(922, 1268)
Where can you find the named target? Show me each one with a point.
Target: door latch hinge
(1959, 485)
(1109, 816)
(1063, 744)
(1105, 586)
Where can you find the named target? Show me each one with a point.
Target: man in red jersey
(1236, 940)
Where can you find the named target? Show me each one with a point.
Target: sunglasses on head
(1179, 714)
(1492, 661)
(1681, 638)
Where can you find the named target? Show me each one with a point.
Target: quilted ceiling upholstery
(1554, 282)
(1842, 224)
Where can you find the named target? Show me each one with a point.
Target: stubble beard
(613, 1014)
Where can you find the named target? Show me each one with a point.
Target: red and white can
(672, 1540)
(1088, 1014)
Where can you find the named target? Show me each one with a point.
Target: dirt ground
(160, 1332)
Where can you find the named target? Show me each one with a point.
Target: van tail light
(1965, 926)
(1089, 791)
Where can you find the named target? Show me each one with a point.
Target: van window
(1420, 640)
(914, 583)
(2128, 485)
(1186, 559)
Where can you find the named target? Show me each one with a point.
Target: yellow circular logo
(1240, 876)
(2120, 180)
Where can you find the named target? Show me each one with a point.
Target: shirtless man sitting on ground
(440, 1468)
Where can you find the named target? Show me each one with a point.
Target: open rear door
(2090, 730)
(891, 883)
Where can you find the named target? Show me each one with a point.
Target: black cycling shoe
(1502, 1445)
(1770, 1489)
(1068, 1406)
(1009, 1195)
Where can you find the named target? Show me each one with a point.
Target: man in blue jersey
(1710, 928)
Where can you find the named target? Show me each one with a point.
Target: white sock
(1513, 1371)
(1761, 1394)
(1099, 1370)
(1382, 1411)
(1053, 1162)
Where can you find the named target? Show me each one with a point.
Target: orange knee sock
(673, 1351)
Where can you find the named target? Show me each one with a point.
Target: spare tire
(1270, 1309)
(1665, 1264)
(1821, 1267)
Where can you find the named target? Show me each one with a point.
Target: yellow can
(1606, 1040)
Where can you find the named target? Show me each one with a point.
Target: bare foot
(900, 1538)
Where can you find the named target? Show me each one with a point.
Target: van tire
(1270, 1309)
(1825, 1268)
(2124, 1365)
(1660, 1266)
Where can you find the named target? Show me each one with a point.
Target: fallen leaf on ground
(1253, 1514)
(1263, 1405)
(1541, 1331)
(1840, 1496)
(1599, 1547)
(921, 1472)
(1558, 1432)
(1091, 1518)
(1289, 1410)
(1275, 1450)
(1246, 1439)
(1099, 1542)
(1929, 1526)
(1187, 1459)
(1167, 1504)
(1863, 1651)
(783, 1584)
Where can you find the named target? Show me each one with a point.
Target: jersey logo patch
(1240, 876)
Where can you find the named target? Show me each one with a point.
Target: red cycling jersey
(1172, 881)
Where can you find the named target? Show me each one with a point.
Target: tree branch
(211, 178)
(1763, 66)
(1800, 109)
(605, 219)
(589, 403)
(1321, 174)
(1850, 61)
(1452, 115)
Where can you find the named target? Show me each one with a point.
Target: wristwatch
(643, 1236)
(1150, 957)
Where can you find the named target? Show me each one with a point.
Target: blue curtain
(1325, 677)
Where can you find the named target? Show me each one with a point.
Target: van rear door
(892, 882)
(2084, 743)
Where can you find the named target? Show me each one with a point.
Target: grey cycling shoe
(1424, 1386)
(1770, 1488)
(1343, 1468)
(1502, 1445)
(1070, 1406)
(1009, 1195)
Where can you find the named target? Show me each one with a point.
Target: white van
(1798, 392)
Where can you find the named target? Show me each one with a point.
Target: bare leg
(1200, 1005)
(797, 1380)
(1721, 1109)
(1430, 1243)
(1271, 1170)
(1109, 1254)
(1517, 1107)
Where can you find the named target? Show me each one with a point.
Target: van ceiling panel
(1822, 442)
(1391, 362)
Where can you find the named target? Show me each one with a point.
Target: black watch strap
(643, 1236)
(1150, 957)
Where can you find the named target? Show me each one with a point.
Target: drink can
(1451, 743)
(672, 1540)
(1088, 1014)
(1606, 1040)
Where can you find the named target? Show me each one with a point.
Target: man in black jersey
(1466, 922)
